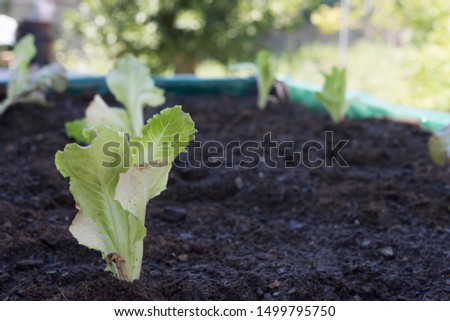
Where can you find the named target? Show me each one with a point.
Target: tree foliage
(177, 34)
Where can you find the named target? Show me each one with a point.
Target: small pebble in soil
(274, 285)
(261, 256)
(260, 293)
(4, 276)
(18, 199)
(173, 214)
(442, 229)
(366, 243)
(49, 238)
(368, 289)
(36, 202)
(387, 251)
(292, 291)
(186, 235)
(9, 148)
(296, 225)
(183, 257)
(239, 182)
(276, 294)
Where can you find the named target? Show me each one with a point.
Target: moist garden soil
(376, 230)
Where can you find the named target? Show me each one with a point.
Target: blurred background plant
(399, 50)
(177, 35)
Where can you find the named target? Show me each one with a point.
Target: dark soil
(377, 230)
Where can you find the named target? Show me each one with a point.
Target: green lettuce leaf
(101, 222)
(111, 187)
(165, 136)
(75, 130)
(50, 76)
(99, 113)
(130, 83)
(332, 95)
(23, 53)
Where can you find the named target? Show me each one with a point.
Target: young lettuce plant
(264, 69)
(26, 86)
(265, 76)
(439, 146)
(112, 180)
(332, 95)
(130, 83)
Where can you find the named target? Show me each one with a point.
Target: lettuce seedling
(332, 95)
(28, 86)
(130, 83)
(265, 76)
(264, 70)
(439, 146)
(112, 180)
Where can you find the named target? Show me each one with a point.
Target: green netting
(363, 105)
(187, 85)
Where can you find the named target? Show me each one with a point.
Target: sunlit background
(399, 50)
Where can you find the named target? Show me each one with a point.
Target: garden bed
(377, 230)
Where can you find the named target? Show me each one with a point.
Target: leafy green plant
(265, 76)
(130, 83)
(112, 180)
(126, 164)
(439, 146)
(27, 86)
(264, 70)
(332, 95)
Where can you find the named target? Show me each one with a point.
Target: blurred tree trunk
(184, 64)
(44, 37)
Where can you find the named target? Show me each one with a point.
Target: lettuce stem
(137, 122)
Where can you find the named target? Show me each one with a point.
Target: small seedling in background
(130, 83)
(264, 70)
(332, 95)
(265, 76)
(439, 146)
(27, 86)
